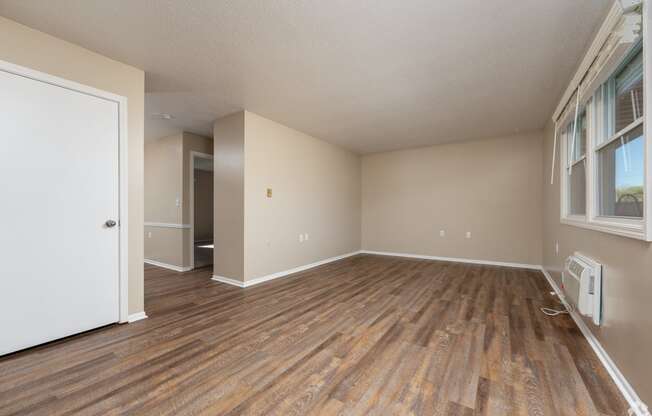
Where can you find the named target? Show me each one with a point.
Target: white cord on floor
(552, 312)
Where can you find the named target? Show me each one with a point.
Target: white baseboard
(169, 266)
(136, 317)
(277, 275)
(453, 259)
(637, 407)
(273, 276)
(228, 281)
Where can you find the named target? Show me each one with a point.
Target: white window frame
(627, 227)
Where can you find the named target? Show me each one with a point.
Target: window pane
(577, 189)
(621, 174)
(629, 93)
(579, 149)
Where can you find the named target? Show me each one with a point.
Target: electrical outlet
(177, 202)
(442, 233)
(468, 234)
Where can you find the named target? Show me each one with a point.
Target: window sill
(631, 229)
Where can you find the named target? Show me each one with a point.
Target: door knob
(110, 223)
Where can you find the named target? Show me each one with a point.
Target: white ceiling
(370, 75)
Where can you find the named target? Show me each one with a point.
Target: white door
(59, 185)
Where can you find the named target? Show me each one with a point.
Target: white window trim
(640, 229)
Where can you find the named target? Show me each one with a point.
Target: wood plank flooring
(365, 335)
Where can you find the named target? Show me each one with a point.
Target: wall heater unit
(582, 286)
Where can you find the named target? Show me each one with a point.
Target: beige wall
(315, 190)
(487, 187)
(27, 47)
(163, 185)
(203, 205)
(163, 179)
(228, 218)
(166, 245)
(167, 178)
(626, 333)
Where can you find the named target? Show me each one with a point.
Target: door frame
(196, 155)
(123, 179)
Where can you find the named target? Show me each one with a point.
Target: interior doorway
(201, 209)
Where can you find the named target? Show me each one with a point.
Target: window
(620, 176)
(604, 158)
(576, 168)
(620, 152)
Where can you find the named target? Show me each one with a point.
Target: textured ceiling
(370, 75)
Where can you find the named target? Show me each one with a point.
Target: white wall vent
(582, 285)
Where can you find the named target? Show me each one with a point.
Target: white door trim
(194, 155)
(122, 168)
